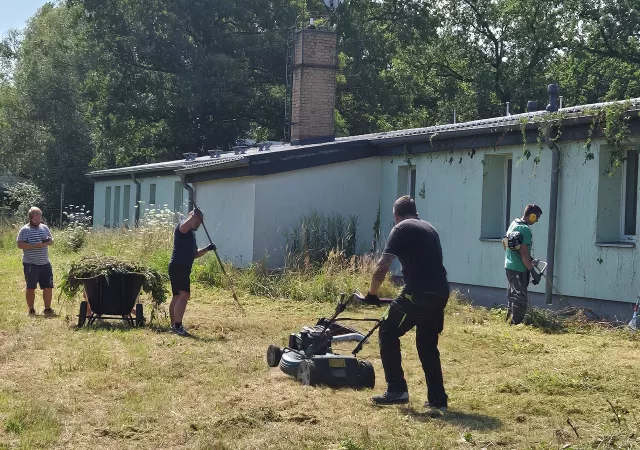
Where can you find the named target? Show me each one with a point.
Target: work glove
(211, 246)
(371, 299)
(535, 276)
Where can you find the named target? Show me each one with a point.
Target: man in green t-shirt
(518, 263)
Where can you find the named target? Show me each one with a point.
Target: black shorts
(35, 274)
(179, 274)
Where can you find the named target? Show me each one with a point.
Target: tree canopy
(92, 84)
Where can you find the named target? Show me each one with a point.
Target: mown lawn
(115, 387)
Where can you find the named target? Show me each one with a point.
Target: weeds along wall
(464, 195)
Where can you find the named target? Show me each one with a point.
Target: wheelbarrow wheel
(307, 373)
(82, 317)
(366, 374)
(274, 354)
(139, 315)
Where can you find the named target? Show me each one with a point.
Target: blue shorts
(35, 274)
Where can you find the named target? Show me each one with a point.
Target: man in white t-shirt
(34, 240)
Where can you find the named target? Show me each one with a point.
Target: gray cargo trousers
(517, 296)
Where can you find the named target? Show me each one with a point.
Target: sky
(14, 13)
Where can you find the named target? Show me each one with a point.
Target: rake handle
(233, 290)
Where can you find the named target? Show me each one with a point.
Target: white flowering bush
(76, 226)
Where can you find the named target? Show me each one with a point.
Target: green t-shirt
(512, 259)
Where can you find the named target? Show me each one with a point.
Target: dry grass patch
(113, 387)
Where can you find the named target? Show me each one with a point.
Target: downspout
(552, 89)
(553, 214)
(189, 189)
(136, 215)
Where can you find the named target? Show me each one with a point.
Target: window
(116, 206)
(617, 199)
(407, 181)
(152, 194)
(126, 203)
(496, 196)
(178, 197)
(107, 207)
(630, 196)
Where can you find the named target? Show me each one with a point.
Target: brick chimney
(313, 96)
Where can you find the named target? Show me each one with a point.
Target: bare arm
(27, 246)
(186, 226)
(201, 252)
(382, 268)
(526, 258)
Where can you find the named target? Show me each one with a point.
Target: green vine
(406, 155)
(423, 191)
(615, 127)
(376, 231)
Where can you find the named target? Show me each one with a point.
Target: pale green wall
(165, 192)
(453, 204)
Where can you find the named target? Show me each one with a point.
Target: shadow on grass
(164, 329)
(472, 421)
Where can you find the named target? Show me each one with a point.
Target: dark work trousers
(517, 295)
(403, 314)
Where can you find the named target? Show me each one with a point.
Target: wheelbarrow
(112, 298)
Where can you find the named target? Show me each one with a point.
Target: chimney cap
(532, 106)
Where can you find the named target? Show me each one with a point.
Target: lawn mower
(309, 356)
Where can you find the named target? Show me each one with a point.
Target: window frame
(152, 190)
(623, 200)
(411, 182)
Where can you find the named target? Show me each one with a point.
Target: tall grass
(317, 235)
(315, 283)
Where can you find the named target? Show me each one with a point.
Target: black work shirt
(417, 245)
(184, 246)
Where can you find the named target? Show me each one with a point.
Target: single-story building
(121, 196)
(468, 179)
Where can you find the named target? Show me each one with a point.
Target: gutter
(207, 167)
(482, 129)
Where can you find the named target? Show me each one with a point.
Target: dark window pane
(152, 194)
(412, 192)
(631, 194)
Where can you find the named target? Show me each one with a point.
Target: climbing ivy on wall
(610, 122)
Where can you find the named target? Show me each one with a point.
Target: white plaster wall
(229, 211)
(343, 188)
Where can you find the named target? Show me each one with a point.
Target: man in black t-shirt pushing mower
(421, 304)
